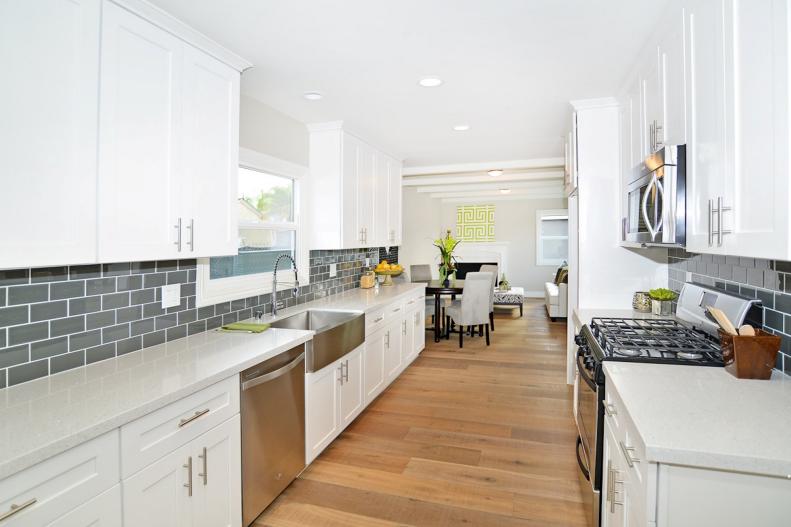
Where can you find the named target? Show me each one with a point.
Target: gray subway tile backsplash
(766, 280)
(65, 317)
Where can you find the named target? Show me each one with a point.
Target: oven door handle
(585, 471)
(583, 373)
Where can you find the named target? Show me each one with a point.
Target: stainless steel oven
(590, 394)
(656, 206)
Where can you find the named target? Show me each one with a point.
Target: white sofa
(556, 300)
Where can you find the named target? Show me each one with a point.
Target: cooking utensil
(747, 330)
(722, 320)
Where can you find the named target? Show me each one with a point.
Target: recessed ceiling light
(430, 82)
(461, 127)
(505, 191)
(495, 173)
(313, 95)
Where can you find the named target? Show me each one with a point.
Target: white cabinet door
(613, 489)
(374, 364)
(209, 155)
(707, 119)
(351, 386)
(653, 103)
(408, 350)
(352, 234)
(102, 511)
(159, 495)
(140, 116)
(381, 226)
(394, 202)
(366, 189)
(322, 418)
(393, 359)
(48, 132)
(420, 330)
(759, 188)
(638, 132)
(671, 64)
(217, 476)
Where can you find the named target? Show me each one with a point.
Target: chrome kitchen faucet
(295, 283)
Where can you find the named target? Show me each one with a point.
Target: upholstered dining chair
(486, 268)
(422, 273)
(473, 308)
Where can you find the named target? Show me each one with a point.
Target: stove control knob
(580, 340)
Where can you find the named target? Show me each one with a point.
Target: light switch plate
(171, 295)
(333, 270)
(368, 262)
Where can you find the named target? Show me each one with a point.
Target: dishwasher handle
(255, 381)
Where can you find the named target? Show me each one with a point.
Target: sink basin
(337, 333)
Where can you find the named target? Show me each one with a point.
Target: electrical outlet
(171, 295)
(688, 276)
(368, 262)
(333, 270)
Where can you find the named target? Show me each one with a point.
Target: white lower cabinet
(374, 363)
(393, 339)
(102, 511)
(198, 484)
(46, 493)
(334, 396)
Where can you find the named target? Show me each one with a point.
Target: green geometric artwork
(475, 223)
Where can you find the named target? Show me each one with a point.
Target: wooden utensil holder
(748, 357)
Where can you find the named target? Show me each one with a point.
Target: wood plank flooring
(478, 436)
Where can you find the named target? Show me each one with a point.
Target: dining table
(438, 289)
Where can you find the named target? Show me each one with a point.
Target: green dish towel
(246, 326)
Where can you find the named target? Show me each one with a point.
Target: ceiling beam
(547, 162)
(491, 193)
(416, 181)
(490, 199)
(494, 184)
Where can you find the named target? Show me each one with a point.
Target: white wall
(514, 222)
(266, 130)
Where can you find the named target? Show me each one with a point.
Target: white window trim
(549, 214)
(225, 289)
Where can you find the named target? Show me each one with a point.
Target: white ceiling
(509, 66)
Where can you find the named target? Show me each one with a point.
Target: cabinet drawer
(394, 311)
(415, 302)
(154, 435)
(102, 511)
(45, 492)
(374, 321)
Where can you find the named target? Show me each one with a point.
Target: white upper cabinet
(355, 194)
(737, 89)
(48, 133)
(673, 129)
(119, 135)
(141, 85)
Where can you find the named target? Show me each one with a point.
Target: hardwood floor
(479, 436)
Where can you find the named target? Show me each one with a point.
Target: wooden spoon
(722, 320)
(747, 330)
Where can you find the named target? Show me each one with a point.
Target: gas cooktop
(653, 340)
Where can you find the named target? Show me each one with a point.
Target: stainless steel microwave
(656, 204)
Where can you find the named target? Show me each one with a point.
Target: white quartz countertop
(45, 417)
(705, 417)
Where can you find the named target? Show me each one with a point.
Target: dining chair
(473, 308)
(422, 273)
(487, 268)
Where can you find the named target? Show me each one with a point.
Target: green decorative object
(504, 285)
(475, 223)
(447, 266)
(662, 300)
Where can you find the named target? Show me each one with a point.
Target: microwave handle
(653, 230)
(661, 190)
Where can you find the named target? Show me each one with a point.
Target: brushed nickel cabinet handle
(340, 373)
(711, 222)
(177, 226)
(627, 453)
(205, 474)
(403, 327)
(720, 229)
(379, 319)
(609, 409)
(346, 377)
(196, 415)
(188, 484)
(17, 508)
(191, 228)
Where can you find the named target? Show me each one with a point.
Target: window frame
(208, 291)
(549, 214)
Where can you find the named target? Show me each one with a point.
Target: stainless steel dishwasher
(273, 429)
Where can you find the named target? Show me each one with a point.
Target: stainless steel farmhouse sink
(337, 333)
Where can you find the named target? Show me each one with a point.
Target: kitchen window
(268, 206)
(552, 237)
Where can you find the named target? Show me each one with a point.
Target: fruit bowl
(388, 274)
